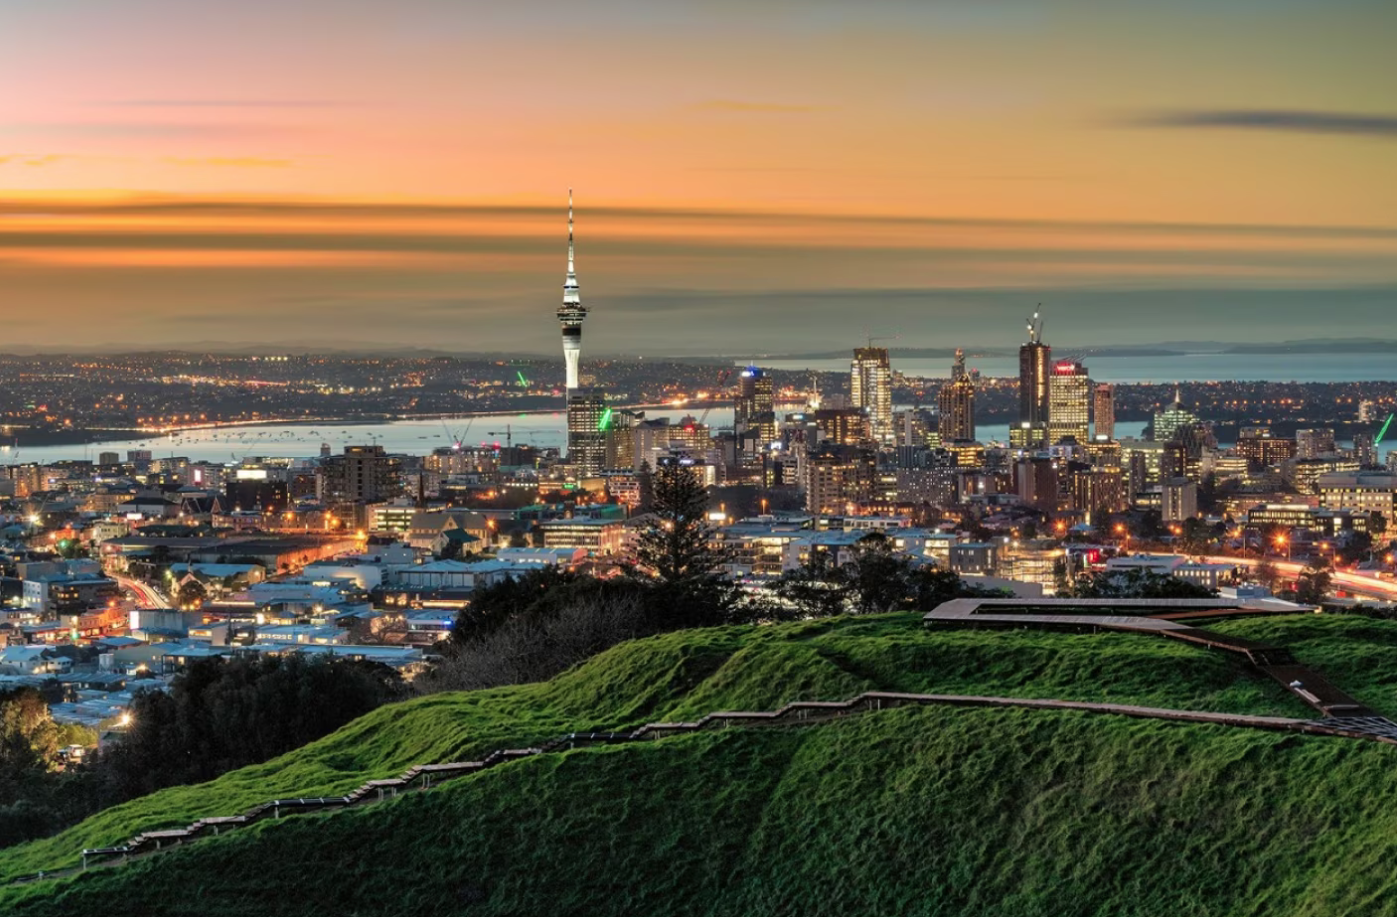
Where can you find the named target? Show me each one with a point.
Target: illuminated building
(1104, 411)
(1360, 492)
(871, 390)
(1171, 418)
(1069, 400)
(571, 312)
(1034, 357)
(588, 419)
(837, 477)
(754, 413)
(1261, 449)
(1096, 490)
(844, 426)
(362, 474)
(1179, 500)
(956, 404)
(1365, 450)
(1314, 443)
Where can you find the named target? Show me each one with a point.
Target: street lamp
(1283, 542)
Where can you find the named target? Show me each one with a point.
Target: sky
(749, 176)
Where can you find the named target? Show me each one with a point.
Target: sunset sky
(750, 176)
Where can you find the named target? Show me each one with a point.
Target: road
(146, 596)
(1349, 582)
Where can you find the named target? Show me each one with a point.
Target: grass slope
(915, 811)
(1358, 654)
(686, 674)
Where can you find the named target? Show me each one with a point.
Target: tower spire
(571, 270)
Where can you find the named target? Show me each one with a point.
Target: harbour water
(418, 437)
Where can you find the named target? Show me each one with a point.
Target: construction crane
(508, 435)
(722, 377)
(457, 441)
(1377, 441)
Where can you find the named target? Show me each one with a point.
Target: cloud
(1303, 122)
(28, 159)
(221, 103)
(240, 162)
(745, 107)
(272, 208)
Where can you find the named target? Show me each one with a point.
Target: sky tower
(571, 312)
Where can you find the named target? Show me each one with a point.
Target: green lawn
(687, 674)
(1358, 654)
(914, 811)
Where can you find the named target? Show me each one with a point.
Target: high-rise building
(1174, 416)
(1034, 357)
(1365, 450)
(362, 474)
(588, 421)
(844, 426)
(1262, 449)
(871, 390)
(1069, 402)
(1104, 411)
(571, 312)
(837, 477)
(1179, 500)
(956, 404)
(1314, 443)
(755, 410)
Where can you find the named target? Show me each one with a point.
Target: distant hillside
(911, 811)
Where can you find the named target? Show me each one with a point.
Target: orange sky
(397, 171)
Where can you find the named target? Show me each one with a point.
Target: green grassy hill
(906, 811)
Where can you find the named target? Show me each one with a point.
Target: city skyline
(791, 168)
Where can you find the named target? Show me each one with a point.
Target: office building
(871, 390)
(1311, 444)
(588, 421)
(754, 413)
(1036, 483)
(838, 477)
(1262, 449)
(1360, 492)
(1174, 416)
(1104, 411)
(571, 313)
(1365, 450)
(956, 404)
(1179, 500)
(1069, 402)
(1034, 359)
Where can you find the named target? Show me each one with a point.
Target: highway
(146, 596)
(1350, 582)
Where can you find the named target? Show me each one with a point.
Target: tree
(676, 544)
(1134, 584)
(1266, 574)
(1312, 585)
(191, 592)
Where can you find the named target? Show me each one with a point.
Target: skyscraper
(1174, 416)
(754, 414)
(871, 390)
(571, 312)
(1104, 411)
(588, 423)
(1034, 357)
(956, 404)
(1068, 402)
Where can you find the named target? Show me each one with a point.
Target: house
(32, 660)
(427, 527)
